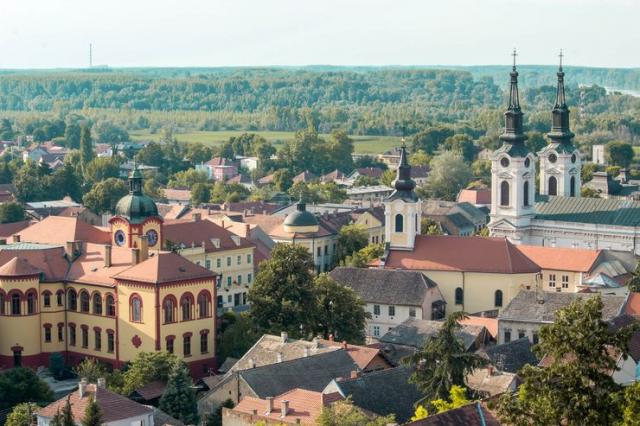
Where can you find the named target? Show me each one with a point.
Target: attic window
(215, 242)
(182, 269)
(236, 239)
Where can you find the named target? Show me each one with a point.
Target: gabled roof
(385, 286)
(374, 172)
(361, 355)
(90, 268)
(220, 161)
(151, 390)
(415, 332)
(114, 407)
(530, 306)
(7, 230)
(512, 356)
(60, 230)
(195, 232)
(306, 176)
(474, 414)
(475, 196)
(562, 259)
(488, 382)
(177, 194)
(50, 260)
(383, 392)
(462, 254)
(310, 373)
(17, 267)
(164, 267)
(633, 305)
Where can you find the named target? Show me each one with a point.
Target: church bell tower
(560, 160)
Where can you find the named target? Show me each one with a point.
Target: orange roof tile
(562, 259)
(632, 307)
(303, 404)
(60, 230)
(462, 254)
(491, 324)
(18, 267)
(190, 232)
(475, 196)
(164, 267)
(90, 267)
(49, 260)
(361, 355)
(9, 229)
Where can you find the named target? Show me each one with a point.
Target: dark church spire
(560, 132)
(403, 184)
(513, 130)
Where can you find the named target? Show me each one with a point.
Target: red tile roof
(475, 196)
(60, 230)
(491, 324)
(190, 232)
(151, 390)
(114, 407)
(7, 230)
(632, 307)
(462, 254)
(17, 267)
(361, 355)
(562, 259)
(49, 260)
(164, 267)
(90, 267)
(177, 194)
(374, 172)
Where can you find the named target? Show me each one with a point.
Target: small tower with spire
(560, 160)
(402, 209)
(512, 172)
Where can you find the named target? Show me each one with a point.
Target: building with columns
(557, 216)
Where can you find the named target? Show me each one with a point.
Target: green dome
(136, 206)
(301, 217)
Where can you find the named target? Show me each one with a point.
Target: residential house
(7, 192)
(528, 311)
(368, 194)
(249, 163)
(295, 407)
(462, 219)
(103, 150)
(381, 392)
(335, 176)
(478, 196)
(219, 168)
(391, 157)
(597, 155)
(473, 414)
(419, 174)
(392, 296)
(371, 172)
(150, 393)
(241, 180)
(489, 382)
(510, 356)
(304, 177)
(177, 196)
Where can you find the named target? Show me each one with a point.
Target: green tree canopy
(147, 367)
(351, 239)
(179, 398)
(23, 414)
(11, 212)
(20, 385)
(449, 174)
(93, 415)
(104, 195)
(619, 153)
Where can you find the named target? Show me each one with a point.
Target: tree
(28, 183)
(364, 180)
(23, 415)
(631, 405)
(151, 155)
(66, 181)
(90, 369)
(197, 153)
(457, 398)
(388, 177)
(86, 145)
(56, 420)
(93, 415)
(187, 178)
(351, 239)
(535, 141)
(238, 337)
(344, 413)
(339, 311)
(462, 144)
(200, 193)
(109, 133)
(430, 139)
(101, 168)
(147, 367)
(619, 153)
(449, 174)
(576, 386)
(340, 150)
(361, 258)
(6, 130)
(104, 195)
(443, 361)
(72, 136)
(179, 398)
(419, 414)
(419, 158)
(588, 170)
(282, 180)
(215, 418)
(588, 192)
(67, 414)
(11, 212)
(482, 170)
(634, 283)
(20, 385)
(429, 227)
(282, 294)
(57, 366)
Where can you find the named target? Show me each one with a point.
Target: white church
(556, 216)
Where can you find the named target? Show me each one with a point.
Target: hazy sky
(56, 33)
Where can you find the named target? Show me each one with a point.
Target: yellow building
(85, 296)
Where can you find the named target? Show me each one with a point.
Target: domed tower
(136, 215)
(512, 172)
(402, 209)
(301, 221)
(560, 160)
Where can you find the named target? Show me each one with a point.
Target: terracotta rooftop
(17, 267)
(59, 230)
(491, 324)
(220, 161)
(90, 267)
(633, 305)
(7, 230)
(562, 259)
(47, 259)
(475, 196)
(177, 194)
(304, 405)
(196, 232)
(462, 254)
(361, 355)
(164, 267)
(114, 407)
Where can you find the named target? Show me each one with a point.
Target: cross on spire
(514, 54)
(560, 56)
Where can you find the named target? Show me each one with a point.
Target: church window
(136, 308)
(203, 304)
(186, 345)
(459, 296)
(59, 294)
(204, 341)
(572, 186)
(553, 158)
(15, 304)
(84, 301)
(504, 193)
(170, 345)
(497, 302)
(97, 304)
(186, 303)
(169, 308)
(110, 342)
(85, 336)
(525, 191)
(152, 237)
(47, 333)
(31, 303)
(97, 337)
(553, 186)
(46, 298)
(504, 162)
(60, 332)
(399, 223)
(73, 300)
(527, 162)
(72, 334)
(111, 306)
(573, 158)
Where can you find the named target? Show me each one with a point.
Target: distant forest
(359, 100)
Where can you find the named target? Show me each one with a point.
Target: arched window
(553, 186)
(2, 301)
(97, 304)
(31, 302)
(59, 297)
(46, 298)
(84, 301)
(111, 306)
(525, 189)
(73, 300)
(15, 304)
(497, 299)
(203, 304)
(459, 296)
(186, 303)
(169, 306)
(399, 223)
(572, 186)
(504, 193)
(136, 308)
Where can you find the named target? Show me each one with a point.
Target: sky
(124, 33)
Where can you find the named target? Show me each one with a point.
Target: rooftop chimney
(269, 405)
(306, 352)
(344, 345)
(16, 238)
(196, 217)
(107, 255)
(102, 382)
(135, 255)
(82, 387)
(279, 356)
(247, 230)
(354, 374)
(285, 408)
(73, 249)
(284, 336)
(144, 248)
(252, 363)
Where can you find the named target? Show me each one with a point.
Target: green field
(362, 144)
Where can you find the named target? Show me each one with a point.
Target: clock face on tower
(152, 237)
(119, 238)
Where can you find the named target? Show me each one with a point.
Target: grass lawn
(636, 151)
(362, 144)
